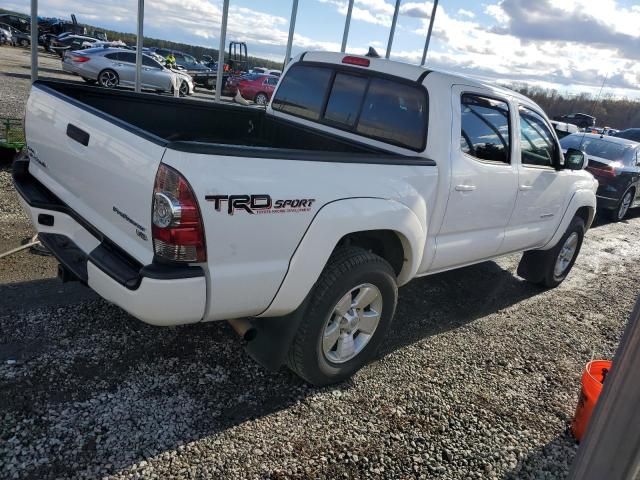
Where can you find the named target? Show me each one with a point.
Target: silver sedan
(114, 67)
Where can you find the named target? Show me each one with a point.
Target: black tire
(184, 89)
(108, 78)
(261, 99)
(617, 214)
(539, 266)
(347, 269)
(24, 43)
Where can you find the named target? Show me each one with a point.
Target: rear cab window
(381, 108)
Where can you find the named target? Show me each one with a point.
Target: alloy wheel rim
(624, 206)
(261, 100)
(108, 79)
(567, 252)
(352, 323)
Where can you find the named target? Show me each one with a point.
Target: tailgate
(96, 165)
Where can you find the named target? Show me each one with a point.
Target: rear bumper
(157, 294)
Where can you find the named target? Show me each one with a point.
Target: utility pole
(347, 23)
(139, 44)
(34, 40)
(223, 40)
(426, 45)
(292, 27)
(393, 28)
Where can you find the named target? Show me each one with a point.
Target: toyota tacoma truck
(298, 223)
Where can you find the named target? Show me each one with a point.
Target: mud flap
(534, 264)
(274, 335)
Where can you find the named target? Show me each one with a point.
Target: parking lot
(478, 378)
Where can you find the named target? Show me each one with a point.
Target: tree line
(609, 111)
(197, 51)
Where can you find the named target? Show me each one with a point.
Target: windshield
(596, 147)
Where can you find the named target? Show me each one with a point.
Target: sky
(570, 45)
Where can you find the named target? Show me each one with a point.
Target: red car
(258, 88)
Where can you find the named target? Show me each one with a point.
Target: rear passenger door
(154, 76)
(542, 189)
(127, 68)
(483, 180)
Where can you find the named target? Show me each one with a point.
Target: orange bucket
(592, 379)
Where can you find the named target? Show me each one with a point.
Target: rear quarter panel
(249, 254)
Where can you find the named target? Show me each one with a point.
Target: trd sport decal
(259, 204)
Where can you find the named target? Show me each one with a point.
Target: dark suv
(201, 74)
(581, 120)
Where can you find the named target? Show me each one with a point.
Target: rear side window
(345, 99)
(396, 113)
(112, 56)
(595, 146)
(537, 144)
(484, 128)
(149, 62)
(127, 57)
(302, 92)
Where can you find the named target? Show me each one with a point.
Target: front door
(483, 183)
(542, 189)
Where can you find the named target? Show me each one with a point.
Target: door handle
(465, 188)
(526, 187)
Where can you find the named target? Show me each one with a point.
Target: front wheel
(550, 267)
(350, 311)
(108, 79)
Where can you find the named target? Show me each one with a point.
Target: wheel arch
(379, 225)
(582, 204)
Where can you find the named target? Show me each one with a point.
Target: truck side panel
(257, 210)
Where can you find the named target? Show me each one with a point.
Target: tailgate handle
(77, 134)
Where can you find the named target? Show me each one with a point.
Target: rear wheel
(350, 311)
(262, 99)
(24, 42)
(619, 213)
(108, 79)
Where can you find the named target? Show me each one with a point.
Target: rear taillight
(79, 58)
(178, 234)
(609, 170)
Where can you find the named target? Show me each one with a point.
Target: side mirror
(574, 159)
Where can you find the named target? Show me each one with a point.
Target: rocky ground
(478, 378)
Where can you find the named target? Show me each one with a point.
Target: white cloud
(466, 13)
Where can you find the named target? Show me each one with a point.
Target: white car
(116, 67)
(5, 36)
(304, 219)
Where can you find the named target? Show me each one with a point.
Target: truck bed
(168, 119)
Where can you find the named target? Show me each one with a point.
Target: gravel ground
(478, 379)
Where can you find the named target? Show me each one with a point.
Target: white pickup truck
(299, 223)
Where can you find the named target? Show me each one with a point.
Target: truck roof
(406, 70)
